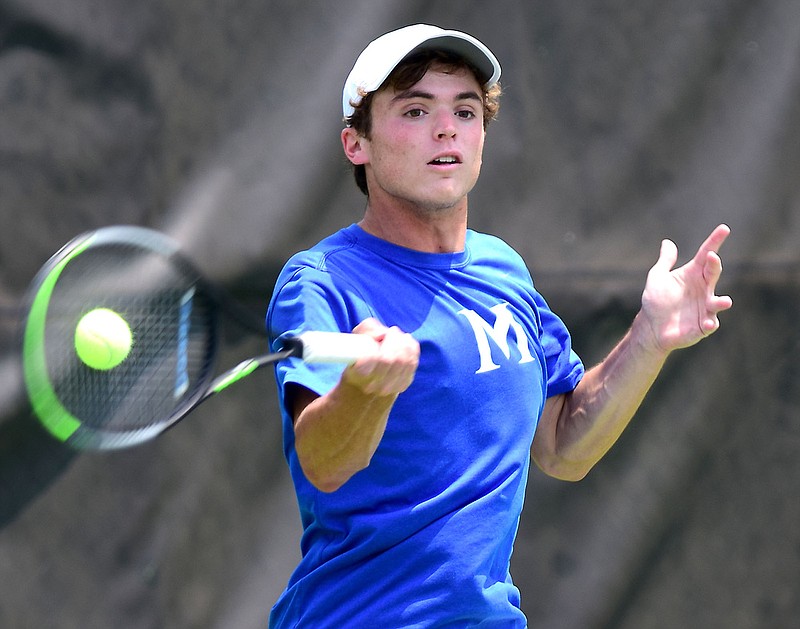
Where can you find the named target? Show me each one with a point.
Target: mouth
(445, 160)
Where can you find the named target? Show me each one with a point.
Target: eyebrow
(412, 93)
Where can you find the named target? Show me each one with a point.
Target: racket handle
(335, 347)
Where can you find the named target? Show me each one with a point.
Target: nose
(445, 126)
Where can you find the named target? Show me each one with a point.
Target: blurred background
(217, 121)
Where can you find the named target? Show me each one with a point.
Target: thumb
(667, 257)
(372, 327)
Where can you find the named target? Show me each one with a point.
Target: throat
(419, 230)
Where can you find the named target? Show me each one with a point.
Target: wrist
(644, 336)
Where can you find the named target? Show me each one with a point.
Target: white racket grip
(336, 347)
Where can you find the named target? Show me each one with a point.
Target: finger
(709, 325)
(714, 241)
(718, 303)
(372, 327)
(711, 273)
(667, 257)
(401, 358)
(391, 369)
(388, 379)
(712, 270)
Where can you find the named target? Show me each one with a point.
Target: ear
(355, 146)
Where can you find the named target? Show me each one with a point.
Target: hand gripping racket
(172, 317)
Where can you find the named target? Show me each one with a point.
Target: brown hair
(408, 73)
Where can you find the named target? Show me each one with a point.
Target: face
(426, 143)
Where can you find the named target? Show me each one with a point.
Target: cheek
(400, 140)
(394, 149)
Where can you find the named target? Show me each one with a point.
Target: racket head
(140, 274)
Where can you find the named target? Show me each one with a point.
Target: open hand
(680, 305)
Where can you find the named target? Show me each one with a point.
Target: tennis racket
(173, 317)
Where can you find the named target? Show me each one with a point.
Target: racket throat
(246, 367)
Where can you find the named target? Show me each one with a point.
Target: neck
(430, 231)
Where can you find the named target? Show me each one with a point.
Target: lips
(445, 160)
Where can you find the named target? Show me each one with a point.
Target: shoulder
(318, 254)
(488, 244)
(322, 259)
(327, 273)
(493, 250)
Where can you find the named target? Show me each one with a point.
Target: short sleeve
(564, 367)
(307, 298)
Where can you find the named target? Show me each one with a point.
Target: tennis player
(410, 466)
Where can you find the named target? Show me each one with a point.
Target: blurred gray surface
(621, 124)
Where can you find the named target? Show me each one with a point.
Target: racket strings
(174, 336)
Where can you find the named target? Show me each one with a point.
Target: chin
(441, 208)
(445, 200)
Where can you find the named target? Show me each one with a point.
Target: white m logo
(504, 322)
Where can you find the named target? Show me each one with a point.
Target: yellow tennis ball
(103, 339)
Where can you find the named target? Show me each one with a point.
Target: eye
(414, 113)
(465, 114)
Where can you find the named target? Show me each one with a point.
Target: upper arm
(544, 449)
(544, 440)
(298, 398)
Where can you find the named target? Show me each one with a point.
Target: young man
(410, 465)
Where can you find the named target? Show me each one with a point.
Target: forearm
(583, 425)
(679, 308)
(337, 434)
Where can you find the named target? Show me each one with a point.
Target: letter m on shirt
(499, 333)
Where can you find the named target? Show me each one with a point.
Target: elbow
(569, 474)
(330, 477)
(324, 480)
(326, 485)
(564, 469)
(556, 450)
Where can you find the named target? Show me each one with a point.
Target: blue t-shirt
(423, 536)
